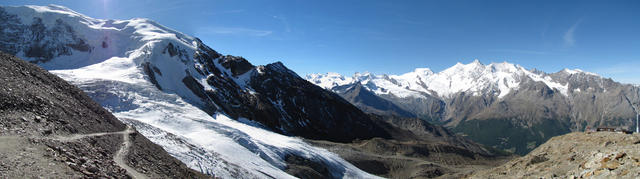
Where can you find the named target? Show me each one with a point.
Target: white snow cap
(475, 78)
(577, 71)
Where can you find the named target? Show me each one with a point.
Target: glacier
(111, 73)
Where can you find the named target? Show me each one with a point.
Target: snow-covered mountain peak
(570, 71)
(55, 8)
(576, 71)
(476, 67)
(476, 62)
(417, 74)
(423, 71)
(120, 50)
(329, 80)
(460, 67)
(474, 78)
(48, 14)
(66, 39)
(364, 76)
(52, 8)
(334, 74)
(506, 67)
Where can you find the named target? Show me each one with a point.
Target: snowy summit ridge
(474, 78)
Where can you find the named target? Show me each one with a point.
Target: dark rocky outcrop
(151, 72)
(304, 168)
(368, 102)
(309, 110)
(237, 65)
(277, 98)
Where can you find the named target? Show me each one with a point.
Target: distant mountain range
(500, 104)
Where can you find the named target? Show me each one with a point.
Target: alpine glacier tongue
(179, 92)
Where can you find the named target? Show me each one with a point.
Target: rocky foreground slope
(576, 155)
(51, 128)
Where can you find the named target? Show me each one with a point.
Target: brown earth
(576, 155)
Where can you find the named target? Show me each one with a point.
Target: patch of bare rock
(576, 155)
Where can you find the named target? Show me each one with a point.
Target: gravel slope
(576, 155)
(38, 109)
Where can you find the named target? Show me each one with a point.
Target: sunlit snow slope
(132, 67)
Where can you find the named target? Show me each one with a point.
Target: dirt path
(80, 136)
(124, 149)
(119, 157)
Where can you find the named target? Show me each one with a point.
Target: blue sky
(397, 36)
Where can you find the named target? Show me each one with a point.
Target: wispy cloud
(518, 51)
(235, 31)
(569, 39)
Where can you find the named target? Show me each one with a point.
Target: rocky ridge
(576, 155)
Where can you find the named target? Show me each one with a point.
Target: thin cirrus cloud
(569, 39)
(241, 31)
